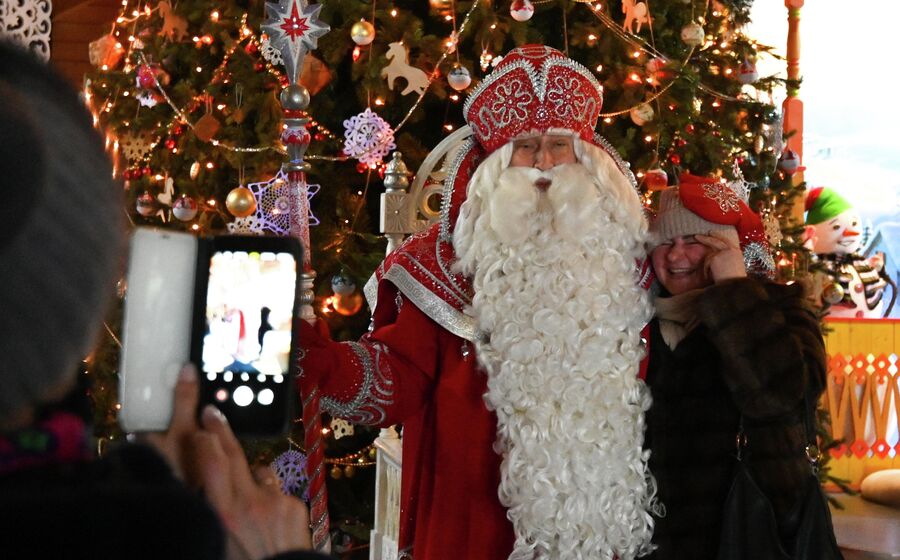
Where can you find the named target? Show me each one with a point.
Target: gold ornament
(195, 170)
(337, 472)
(240, 202)
(642, 114)
(373, 453)
(348, 304)
(362, 33)
(833, 293)
(442, 7)
(349, 471)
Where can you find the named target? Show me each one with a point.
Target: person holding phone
(61, 253)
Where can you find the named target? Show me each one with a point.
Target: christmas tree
(188, 96)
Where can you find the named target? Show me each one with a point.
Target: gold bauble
(195, 170)
(833, 293)
(349, 471)
(348, 304)
(337, 472)
(362, 33)
(240, 202)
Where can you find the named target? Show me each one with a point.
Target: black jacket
(757, 349)
(126, 505)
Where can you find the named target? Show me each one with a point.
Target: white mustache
(569, 199)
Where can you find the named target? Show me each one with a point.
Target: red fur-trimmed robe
(418, 367)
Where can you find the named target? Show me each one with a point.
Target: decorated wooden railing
(863, 396)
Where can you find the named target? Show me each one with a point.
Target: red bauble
(361, 167)
(145, 204)
(145, 76)
(656, 179)
(789, 162)
(675, 158)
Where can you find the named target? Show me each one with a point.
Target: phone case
(156, 328)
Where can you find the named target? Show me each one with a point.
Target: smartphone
(246, 299)
(225, 303)
(156, 325)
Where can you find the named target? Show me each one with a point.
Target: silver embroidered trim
(447, 191)
(725, 198)
(370, 290)
(376, 390)
(431, 305)
(758, 260)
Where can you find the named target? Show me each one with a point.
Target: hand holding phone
(225, 303)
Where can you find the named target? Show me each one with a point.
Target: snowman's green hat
(824, 204)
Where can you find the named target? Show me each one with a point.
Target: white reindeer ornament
(634, 13)
(416, 80)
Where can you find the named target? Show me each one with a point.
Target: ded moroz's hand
(725, 260)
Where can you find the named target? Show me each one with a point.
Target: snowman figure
(834, 234)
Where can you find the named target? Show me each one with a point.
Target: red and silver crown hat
(715, 202)
(534, 89)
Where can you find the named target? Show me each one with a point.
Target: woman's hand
(260, 520)
(725, 260)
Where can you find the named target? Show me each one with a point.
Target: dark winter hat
(701, 205)
(61, 232)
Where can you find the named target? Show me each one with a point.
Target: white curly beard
(556, 293)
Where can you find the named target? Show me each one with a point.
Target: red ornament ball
(656, 179)
(185, 208)
(675, 158)
(145, 204)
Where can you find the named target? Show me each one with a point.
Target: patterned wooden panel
(863, 395)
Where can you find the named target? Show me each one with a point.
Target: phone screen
(245, 357)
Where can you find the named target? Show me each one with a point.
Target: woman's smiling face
(680, 264)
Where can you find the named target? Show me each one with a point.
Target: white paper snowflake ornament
(275, 204)
(294, 29)
(341, 428)
(249, 225)
(290, 467)
(269, 52)
(368, 137)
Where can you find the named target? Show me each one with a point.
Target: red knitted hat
(715, 202)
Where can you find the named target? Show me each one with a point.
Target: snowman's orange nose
(849, 233)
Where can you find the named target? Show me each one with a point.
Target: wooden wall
(75, 23)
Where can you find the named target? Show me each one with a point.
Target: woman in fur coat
(723, 343)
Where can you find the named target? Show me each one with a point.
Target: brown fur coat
(755, 350)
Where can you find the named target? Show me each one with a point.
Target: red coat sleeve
(386, 376)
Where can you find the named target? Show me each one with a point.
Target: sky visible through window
(849, 91)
